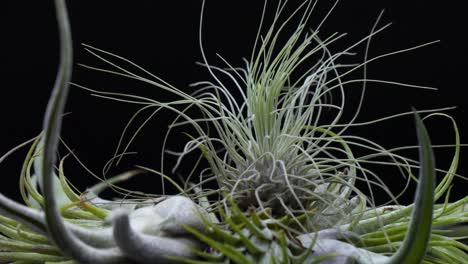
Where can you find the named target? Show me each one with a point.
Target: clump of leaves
(286, 175)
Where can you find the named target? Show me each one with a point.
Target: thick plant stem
(63, 237)
(149, 249)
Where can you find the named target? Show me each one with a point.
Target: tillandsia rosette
(281, 160)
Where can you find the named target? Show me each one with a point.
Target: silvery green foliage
(158, 230)
(327, 242)
(311, 212)
(330, 246)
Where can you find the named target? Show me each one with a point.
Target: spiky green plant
(286, 177)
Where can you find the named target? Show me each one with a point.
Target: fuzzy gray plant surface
(285, 175)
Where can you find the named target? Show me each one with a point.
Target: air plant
(285, 174)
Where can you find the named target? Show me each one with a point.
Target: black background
(162, 36)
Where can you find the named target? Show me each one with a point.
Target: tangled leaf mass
(286, 178)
